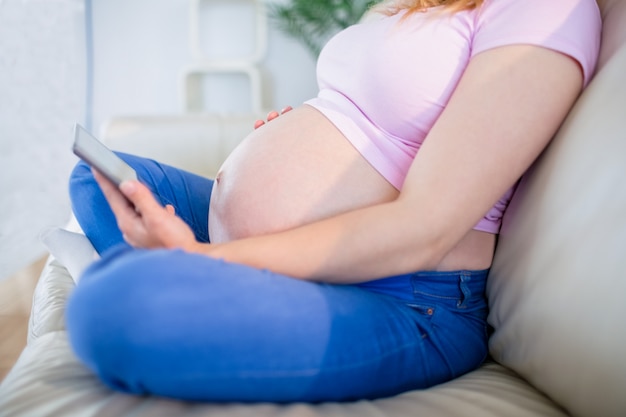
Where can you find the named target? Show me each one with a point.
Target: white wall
(141, 48)
(41, 96)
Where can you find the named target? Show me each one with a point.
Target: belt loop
(465, 277)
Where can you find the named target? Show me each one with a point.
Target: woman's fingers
(117, 201)
(143, 221)
(128, 219)
(271, 116)
(141, 197)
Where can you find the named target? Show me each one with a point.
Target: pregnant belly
(294, 170)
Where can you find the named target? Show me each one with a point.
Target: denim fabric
(174, 324)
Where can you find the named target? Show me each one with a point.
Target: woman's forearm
(357, 246)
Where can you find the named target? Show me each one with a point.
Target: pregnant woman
(342, 251)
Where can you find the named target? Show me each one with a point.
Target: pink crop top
(383, 83)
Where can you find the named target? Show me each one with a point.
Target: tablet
(92, 151)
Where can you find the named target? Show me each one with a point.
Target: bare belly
(298, 169)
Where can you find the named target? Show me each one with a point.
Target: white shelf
(203, 65)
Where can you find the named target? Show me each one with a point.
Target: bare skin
(320, 212)
(299, 169)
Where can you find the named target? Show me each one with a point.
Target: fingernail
(128, 187)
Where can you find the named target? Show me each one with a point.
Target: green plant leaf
(314, 22)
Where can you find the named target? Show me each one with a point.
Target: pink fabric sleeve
(561, 25)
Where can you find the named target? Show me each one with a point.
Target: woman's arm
(506, 108)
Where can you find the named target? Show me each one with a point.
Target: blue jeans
(174, 324)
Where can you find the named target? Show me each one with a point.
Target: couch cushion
(49, 381)
(557, 286)
(51, 294)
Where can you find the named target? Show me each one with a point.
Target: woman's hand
(271, 116)
(143, 221)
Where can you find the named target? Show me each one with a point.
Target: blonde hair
(413, 6)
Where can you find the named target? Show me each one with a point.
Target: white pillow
(72, 250)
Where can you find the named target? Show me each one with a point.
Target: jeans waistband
(457, 288)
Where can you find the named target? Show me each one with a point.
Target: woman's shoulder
(537, 12)
(572, 27)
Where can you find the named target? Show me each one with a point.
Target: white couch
(557, 289)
